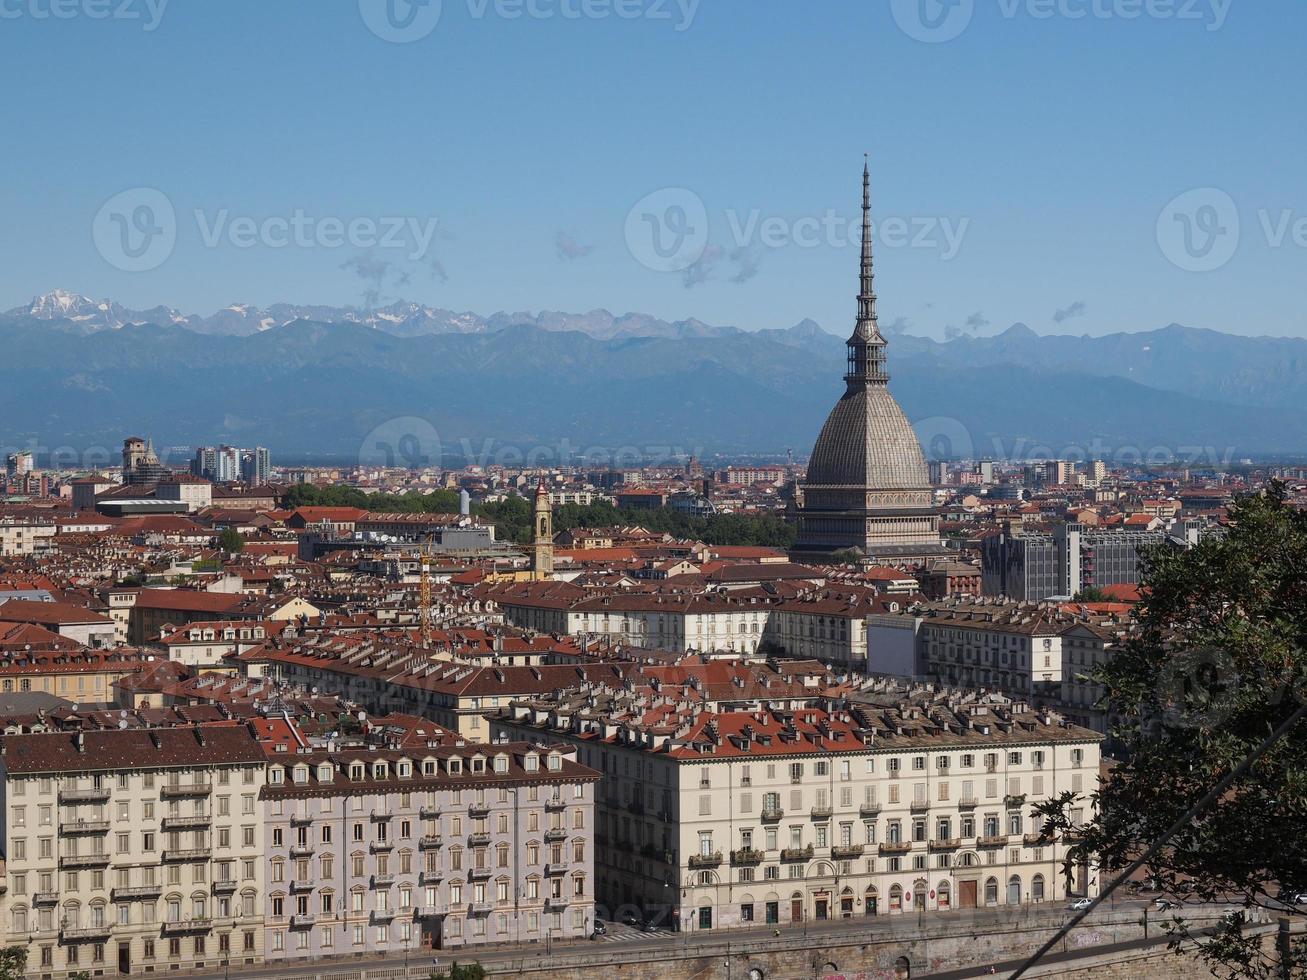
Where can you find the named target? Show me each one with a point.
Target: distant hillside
(82, 375)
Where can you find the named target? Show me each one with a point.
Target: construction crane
(425, 560)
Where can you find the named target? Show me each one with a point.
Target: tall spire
(866, 346)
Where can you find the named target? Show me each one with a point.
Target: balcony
(383, 915)
(478, 874)
(381, 846)
(45, 898)
(772, 813)
(968, 803)
(224, 887)
(747, 855)
(430, 842)
(383, 881)
(305, 921)
(555, 803)
(187, 823)
(919, 806)
(555, 904)
(430, 812)
(555, 834)
(475, 810)
(992, 840)
(1014, 802)
(427, 912)
(86, 934)
(945, 844)
(183, 926)
(84, 861)
(478, 840)
(846, 852)
(303, 850)
(895, 847)
(705, 860)
(136, 893)
(1036, 840)
(479, 908)
(555, 870)
(432, 876)
(189, 854)
(84, 795)
(70, 828)
(301, 886)
(869, 810)
(301, 820)
(175, 791)
(797, 853)
(821, 813)
(378, 816)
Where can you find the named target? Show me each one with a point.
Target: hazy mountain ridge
(310, 378)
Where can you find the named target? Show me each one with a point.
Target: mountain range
(312, 379)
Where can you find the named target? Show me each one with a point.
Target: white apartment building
(721, 820)
(132, 851)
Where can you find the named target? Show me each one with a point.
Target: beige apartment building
(919, 802)
(133, 851)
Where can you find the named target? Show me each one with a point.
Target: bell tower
(542, 563)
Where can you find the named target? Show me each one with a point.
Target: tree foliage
(512, 515)
(13, 962)
(1215, 665)
(472, 971)
(230, 540)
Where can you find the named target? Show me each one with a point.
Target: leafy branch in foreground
(1214, 666)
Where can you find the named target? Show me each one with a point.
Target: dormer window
(301, 774)
(356, 771)
(478, 764)
(531, 763)
(429, 767)
(404, 769)
(276, 775)
(501, 763)
(555, 762)
(324, 772)
(456, 767)
(379, 770)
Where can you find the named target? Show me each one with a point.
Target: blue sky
(1051, 157)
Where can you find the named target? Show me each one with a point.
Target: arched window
(943, 897)
(896, 898)
(1014, 890)
(991, 891)
(1037, 888)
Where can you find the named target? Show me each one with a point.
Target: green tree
(473, 971)
(13, 962)
(1215, 665)
(231, 541)
(1092, 593)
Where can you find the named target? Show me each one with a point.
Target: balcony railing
(992, 840)
(705, 860)
(846, 852)
(136, 892)
(84, 795)
(187, 823)
(172, 791)
(478, 840)
(85, 934)
(84, 861)
(45, 898)
(430, 812)
(303, 921)
(301, 820)
(555, 870)
(71, 827)
(747, 855)
(381, 846)
(870, 809)
(555, 803)
(301, 886)
(945, 844)
(427, 912)
(554, 834)
(187, 925)
(383, 881)
(1014, 802)
(383, 915)
(919, 806)
(189, 854)
(968, 803)
(772, 813)
(553, 904)
(430, 842)
(479, 908)
(432, 876)
(895, 847)
(380, 815)
(1036, 840)
(797, 853)
(224, 887)
(821, 813)
(478, 874)
(635, 807)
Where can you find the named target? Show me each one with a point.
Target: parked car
(1165, 904)
(600, 929)
(1079, 905)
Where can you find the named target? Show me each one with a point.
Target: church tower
(542, 564)
(867, 488)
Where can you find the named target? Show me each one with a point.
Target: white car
(1079, 905)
